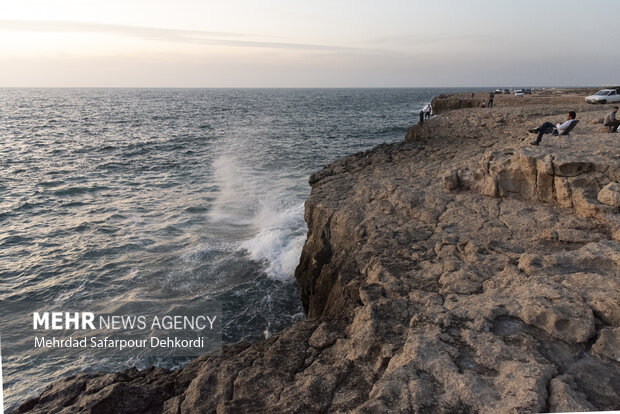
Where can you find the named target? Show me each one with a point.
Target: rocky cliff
(461, 270)
(446, 103)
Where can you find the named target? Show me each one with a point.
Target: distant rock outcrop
(446, 103)
(460, 271)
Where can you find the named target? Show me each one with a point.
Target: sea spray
(279, 240)
(233, 203)
(275, 221)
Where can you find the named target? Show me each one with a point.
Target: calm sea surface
(171, 195)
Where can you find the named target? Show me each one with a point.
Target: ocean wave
(68, 191)
(273, 220)
(279, 241)
(16, 240)
(51, 183)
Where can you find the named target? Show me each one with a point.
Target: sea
(171, 196)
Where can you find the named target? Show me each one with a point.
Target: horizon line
(303, 87)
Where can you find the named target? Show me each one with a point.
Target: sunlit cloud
(417, 39)
(166, 35)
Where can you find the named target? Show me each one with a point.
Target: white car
(604, 96)
(518, 92)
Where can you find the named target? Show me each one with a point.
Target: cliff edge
(461, 270)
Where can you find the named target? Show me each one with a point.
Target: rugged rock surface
(442, 104)
(459, 271)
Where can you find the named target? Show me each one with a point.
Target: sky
(319, 43)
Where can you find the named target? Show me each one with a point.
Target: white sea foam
(275, 223)
(279, 240)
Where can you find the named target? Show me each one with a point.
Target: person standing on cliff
(610, 120)
(491, 100)
(548, 127)
(427, 111)
(421, 117)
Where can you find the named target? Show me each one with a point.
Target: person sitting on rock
(548, 127)
(611, 122)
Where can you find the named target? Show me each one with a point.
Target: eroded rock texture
(462, 271)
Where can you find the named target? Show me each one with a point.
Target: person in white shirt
(548, 127)
(610, 120)
(427, 111)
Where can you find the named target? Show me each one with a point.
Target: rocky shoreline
(461, 270)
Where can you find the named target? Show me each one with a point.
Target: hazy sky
(318, 43)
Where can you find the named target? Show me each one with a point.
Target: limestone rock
(610, 195)
(450, 180)
(608, 344)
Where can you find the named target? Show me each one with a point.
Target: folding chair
(565, 132)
